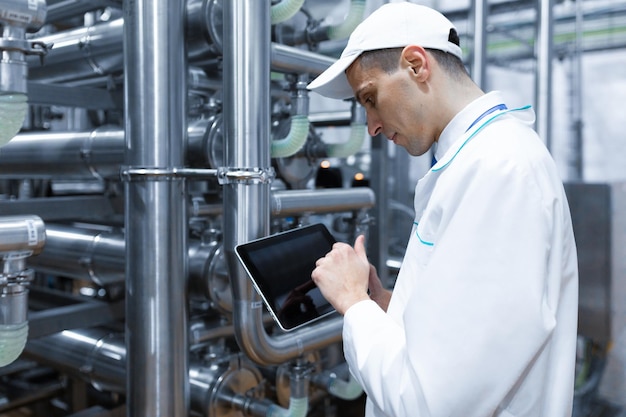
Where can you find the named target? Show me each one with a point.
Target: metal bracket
(228, 175)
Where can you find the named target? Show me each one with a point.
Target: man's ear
(415, 58)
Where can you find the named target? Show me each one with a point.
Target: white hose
(349, 390)
(352, 146)
(13, 109)
(295, 139)
(12, 341)
(298, 407)
(285, 10)
(355, 16)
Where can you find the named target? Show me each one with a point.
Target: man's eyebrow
(358, 94)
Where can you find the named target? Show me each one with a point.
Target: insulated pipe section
(68, 155)
(20, 237)
(247, 132)
(156, 225)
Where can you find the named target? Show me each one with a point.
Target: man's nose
(374, 125)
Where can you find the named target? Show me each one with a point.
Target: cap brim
(333, 82)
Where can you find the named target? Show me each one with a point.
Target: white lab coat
(482, 321)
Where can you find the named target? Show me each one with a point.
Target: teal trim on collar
(478, 129)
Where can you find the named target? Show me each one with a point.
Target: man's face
(395, 106)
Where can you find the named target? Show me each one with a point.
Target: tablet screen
(280, 267)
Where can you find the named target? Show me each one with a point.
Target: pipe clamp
(227, 175)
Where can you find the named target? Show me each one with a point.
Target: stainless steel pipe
(292, 202)
(90, 255)
(93, 51)
(543, 81)
(246, 203)
(156, 227)
(84, 52)
(99, 357)
(68, 155)
(100, 255)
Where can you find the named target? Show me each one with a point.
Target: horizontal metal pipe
(90, 255)
(293, 202)
(22, 233)
(88, 51)
(49, 391)
(69, 155)
(96, 355)
(335, 118)
(91, 208)
(98, 254)
(297, 61)
(290, 202)
(93, 51)
(99, 357)
(65, 9)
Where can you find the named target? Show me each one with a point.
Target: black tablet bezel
(299, 249)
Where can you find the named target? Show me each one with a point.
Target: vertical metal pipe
(543, 81)
(378, 243)
(156, 308)
(575, 170)
(247, 134)
(246, 201)
(479, 67)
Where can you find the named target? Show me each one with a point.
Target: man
(482, 319)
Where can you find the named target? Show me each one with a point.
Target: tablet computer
(280, 268)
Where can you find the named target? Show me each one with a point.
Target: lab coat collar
(459, 123)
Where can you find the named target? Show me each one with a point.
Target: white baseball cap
(393, 25)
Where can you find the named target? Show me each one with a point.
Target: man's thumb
(359, 247)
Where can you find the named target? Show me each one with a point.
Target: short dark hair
(387, 59)
(450, 63)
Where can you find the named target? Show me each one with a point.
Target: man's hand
(343, 274)
(378, 293)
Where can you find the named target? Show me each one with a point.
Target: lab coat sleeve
(484, 304)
